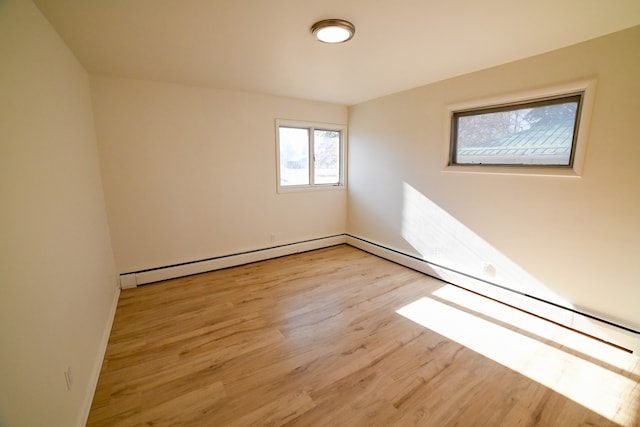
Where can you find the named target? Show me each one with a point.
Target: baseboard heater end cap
(636, 346)
(128, 281)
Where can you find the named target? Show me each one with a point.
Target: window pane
(540, 133)
(294, 156)
(327, 157)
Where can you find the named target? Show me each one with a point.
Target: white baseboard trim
(97, 366)
(593, 325)
(131, 280)
(586, 323)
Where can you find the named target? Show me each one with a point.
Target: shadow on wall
(443, 240)
(457, 255)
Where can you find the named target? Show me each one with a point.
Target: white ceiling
(265, 45)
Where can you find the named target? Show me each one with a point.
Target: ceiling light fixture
(333, 30)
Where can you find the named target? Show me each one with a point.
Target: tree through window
(310, 156)
(539, 132)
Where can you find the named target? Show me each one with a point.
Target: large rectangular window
(310, 155)
(540, 132)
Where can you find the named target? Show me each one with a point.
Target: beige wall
(573, 240)
(189, 173)
(57, 275)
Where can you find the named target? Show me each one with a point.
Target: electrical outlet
(273, 237)
(68, 378)
(489, 269)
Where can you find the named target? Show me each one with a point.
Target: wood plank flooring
(315, 339)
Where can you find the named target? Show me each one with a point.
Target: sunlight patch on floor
(539, 327)
(595, 387)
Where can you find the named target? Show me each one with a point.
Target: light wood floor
(315, 339)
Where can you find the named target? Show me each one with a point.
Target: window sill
(561, 172)
(302, 189)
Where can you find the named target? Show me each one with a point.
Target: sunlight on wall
(442, 239)
(452, 248)
(596, 387)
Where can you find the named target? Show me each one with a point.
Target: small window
(541, 132)
(310, 155)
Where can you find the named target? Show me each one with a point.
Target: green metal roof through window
(553, 139)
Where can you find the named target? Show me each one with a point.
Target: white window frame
(311, 127)
(586, 87)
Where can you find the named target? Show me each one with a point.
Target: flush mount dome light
(333, 30)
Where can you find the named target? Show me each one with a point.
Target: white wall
(189, 173)
(572, 240)
(57, 275)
